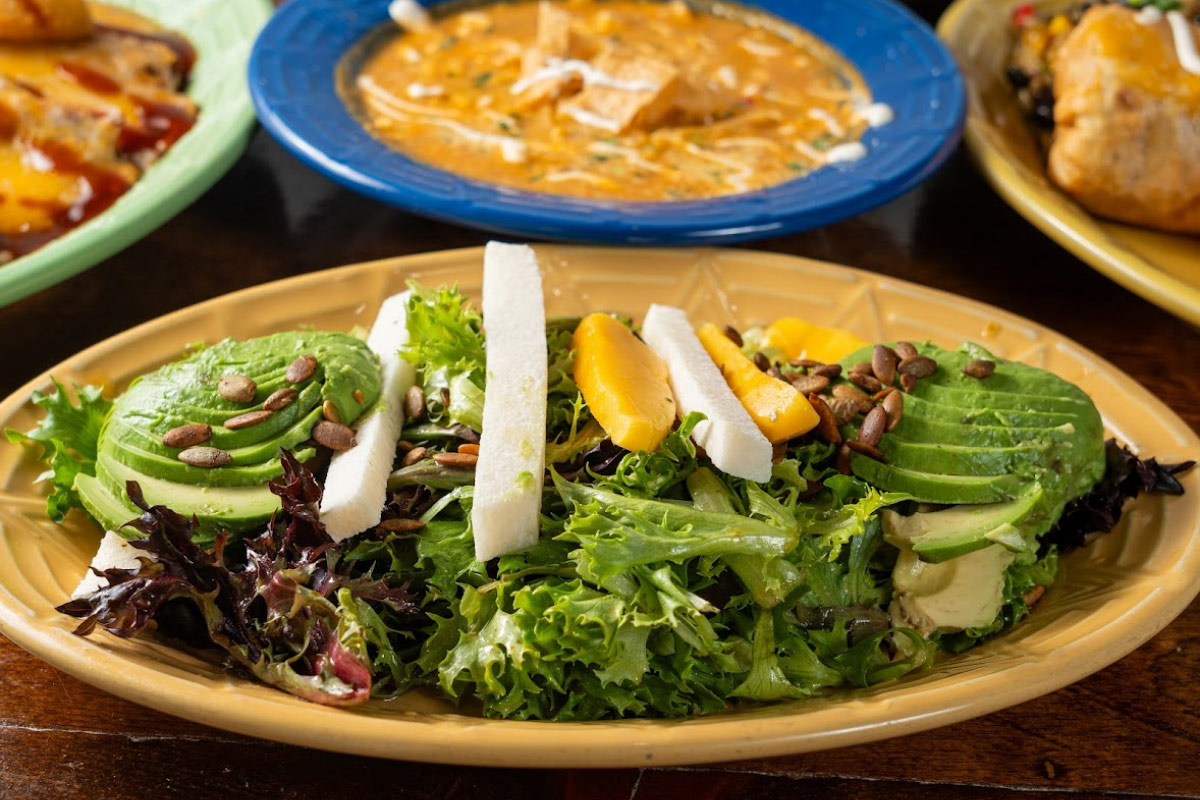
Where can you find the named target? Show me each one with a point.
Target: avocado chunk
(937, 536)
(235, 497)
(964, 592)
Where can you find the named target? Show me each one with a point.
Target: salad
(578, 518)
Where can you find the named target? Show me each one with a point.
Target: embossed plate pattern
(1111, 597)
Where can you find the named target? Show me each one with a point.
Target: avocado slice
(933, 487)
(110, 511)
(1026, 460)
(236, 508)
(914, 428)
(937, 536)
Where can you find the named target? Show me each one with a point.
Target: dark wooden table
(1132, 729)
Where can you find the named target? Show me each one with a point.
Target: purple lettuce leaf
(277, 614)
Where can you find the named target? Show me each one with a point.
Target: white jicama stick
(114, 553)
(512, 447)
(356, 486)
(728, 434)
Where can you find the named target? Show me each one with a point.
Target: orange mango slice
(623, 382)
(776, 407)
(799, 339)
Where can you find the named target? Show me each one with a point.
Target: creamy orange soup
(621, 99)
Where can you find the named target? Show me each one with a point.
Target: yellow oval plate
(1111, 596)
(1161, 267)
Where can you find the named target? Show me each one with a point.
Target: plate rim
(129, 220)
(453, 739)
(731, 218)
(1105, 254)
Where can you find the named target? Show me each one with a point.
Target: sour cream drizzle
(1185, 41)
(561, 68)
(1181, 31)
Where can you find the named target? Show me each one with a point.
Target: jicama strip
(356, 485)
(512, 448)
(728, 434)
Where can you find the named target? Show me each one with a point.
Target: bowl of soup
(613, 120)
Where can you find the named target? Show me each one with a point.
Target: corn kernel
(1060, 25)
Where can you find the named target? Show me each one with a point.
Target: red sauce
(89, 78)
(162, 125)
(9, 123)
(103, 189)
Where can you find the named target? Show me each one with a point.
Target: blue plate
(294, 87)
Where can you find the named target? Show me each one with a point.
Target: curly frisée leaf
(445, 344)
(616, 532)
(68, 436)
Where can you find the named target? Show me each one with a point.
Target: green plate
(222, 32)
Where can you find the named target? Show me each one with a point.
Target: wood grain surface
(1131, 730)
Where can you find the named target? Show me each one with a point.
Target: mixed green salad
(651, 580)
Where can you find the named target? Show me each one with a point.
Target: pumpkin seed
(205, 457)
(359, 397)
(883, 363)
(189, 435)
(810, 384)
(906, 350)
(907, 382)
(862, 403)
(461, 460)
(248, 419)
(843, 459)
(979, 368)
(280, 399)
(237, 388)
(329, 411)
(893, 405)
(414, 403)
(918, 366)
(733, 335)
(827, 427)
(762, 362)
(867, 382)
(401, 525)
(868, 450)
(844, 409)
(333, 435)
(301, 369)
(830, 371)
(872, 427)
(413, 456)
(469, 449)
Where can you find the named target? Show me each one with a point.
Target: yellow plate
(1161, 267)
(1111, 597)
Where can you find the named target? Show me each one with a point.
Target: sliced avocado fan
(235, 497)
(1008, 451)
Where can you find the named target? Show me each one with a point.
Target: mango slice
(623, 382)
(776, 407)
(799, 339)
